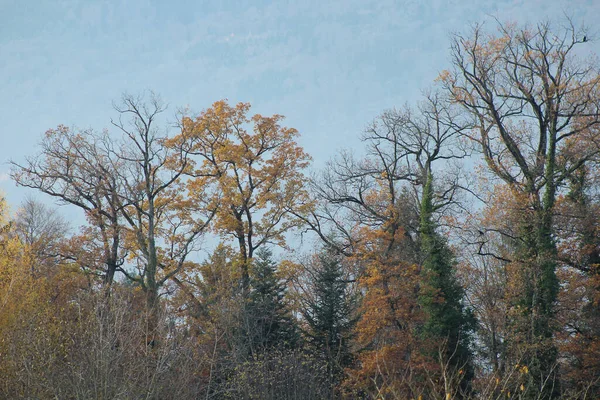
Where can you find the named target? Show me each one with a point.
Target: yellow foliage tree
(251, 171)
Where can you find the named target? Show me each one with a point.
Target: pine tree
(268, 321)
(330, 315)
(446, 319)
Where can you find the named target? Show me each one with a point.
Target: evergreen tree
(446, 319)
(268, 321)
(330, 315)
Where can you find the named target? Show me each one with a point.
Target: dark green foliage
(447, 321)
(532, 322)
(268, 323)
(330, 315)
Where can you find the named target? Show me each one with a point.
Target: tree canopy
(456, 255)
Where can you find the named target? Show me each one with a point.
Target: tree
(268, 323)
(330, 313)
(253, 179)
(395, 204)
(577, 237)
(209, 300)
(32, 307)
(75, 168)
(130, 188)
(373, 222)
(531, 100)
(420, 141)
(152, 204)
(41, 229)
(441, 297)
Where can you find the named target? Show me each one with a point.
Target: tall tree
(374, 222)
(268, 322)
(163, 225)
(531, 99)
(441, 297)
(250, 169)
(330, 313)
(423, 140)
(129, 185)
(75, 168)
(392, 209)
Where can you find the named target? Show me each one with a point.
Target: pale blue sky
(329, 66)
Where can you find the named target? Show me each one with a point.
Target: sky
(329, 66)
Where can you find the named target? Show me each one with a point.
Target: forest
(455, 255)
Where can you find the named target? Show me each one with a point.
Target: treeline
(457, 257)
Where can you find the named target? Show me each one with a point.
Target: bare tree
(75, 168)
(535, 106)
(42, 229)
(163, 225)
(130, 189)
(404, 147)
